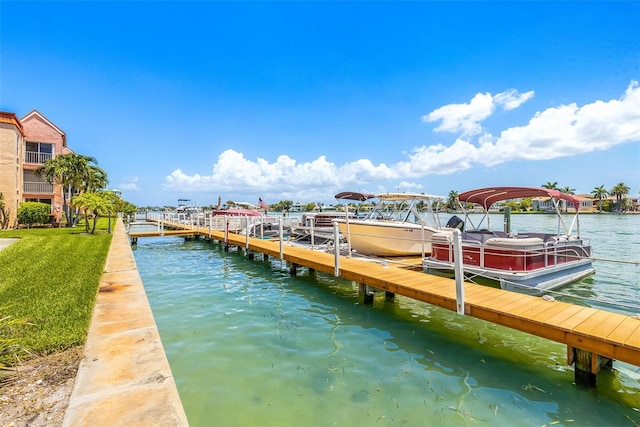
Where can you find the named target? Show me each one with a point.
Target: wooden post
(507, 219)
(293, 270)
(586, 366)
(389, 296)
(367, 295)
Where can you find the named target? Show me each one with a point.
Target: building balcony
(36, 158)
(37, 188)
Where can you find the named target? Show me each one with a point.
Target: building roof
(36, 113)
(11, 119)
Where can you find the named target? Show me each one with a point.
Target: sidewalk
(124, 378)
(6, 241)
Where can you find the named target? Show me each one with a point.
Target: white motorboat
(401, 224)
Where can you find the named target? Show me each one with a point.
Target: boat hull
(532, 282)
(387, 238)
(529, 264)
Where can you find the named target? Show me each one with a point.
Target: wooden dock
(593, 337)
(135, 235)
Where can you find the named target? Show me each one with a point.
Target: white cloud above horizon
(561, 131)
(129, 184)
(467, 118)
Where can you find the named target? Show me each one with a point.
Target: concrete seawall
(124, 378)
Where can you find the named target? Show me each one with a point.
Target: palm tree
(566, 190)
(117, 205)
(93, 205)
(551, 186)
(95, 179)
(452, 200)
(600, 193)
(620, 190)
(74, 172)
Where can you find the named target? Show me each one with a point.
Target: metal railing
(37, 157)
(37, 188)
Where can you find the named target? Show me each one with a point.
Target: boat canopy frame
(486, 197)
(399, 207)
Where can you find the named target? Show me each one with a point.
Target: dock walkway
(593, 337)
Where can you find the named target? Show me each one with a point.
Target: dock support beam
(389, 296)
(587, 365)
(367, 293)
(293, 269)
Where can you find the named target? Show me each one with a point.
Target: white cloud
(569, 130)
(560, 131)
(128, 184)
(463, 118)
(512, 99)
(466, 118)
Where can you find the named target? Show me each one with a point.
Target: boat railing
(515, 254)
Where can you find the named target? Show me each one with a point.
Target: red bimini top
(486, 197)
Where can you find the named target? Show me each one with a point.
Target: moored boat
(401, 224)
(529, 262)
(320, 223)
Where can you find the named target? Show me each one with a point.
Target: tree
(567, 190)
(452, 200)
(551, 185)
(93, 205)
(95, 179)
(4, 214)
(526, 204)
(33, 213)
(620, 190)
(599, 193)
(74, 172)
(282, 205)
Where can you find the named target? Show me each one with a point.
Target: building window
(38, 152)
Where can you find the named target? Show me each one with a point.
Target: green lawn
(50, 279)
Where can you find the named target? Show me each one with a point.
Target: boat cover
(486, 197)
(354, 195)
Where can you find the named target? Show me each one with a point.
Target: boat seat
(526, 241)
(482, 236)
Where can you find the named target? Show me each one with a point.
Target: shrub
(33, 213)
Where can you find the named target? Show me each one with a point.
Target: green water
(249, 345)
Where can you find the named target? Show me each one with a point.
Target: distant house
(587, 203)
(25, 144)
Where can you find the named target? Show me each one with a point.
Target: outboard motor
(455, 222)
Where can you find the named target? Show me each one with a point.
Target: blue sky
(301, 100)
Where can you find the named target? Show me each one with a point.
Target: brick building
(26, 144)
